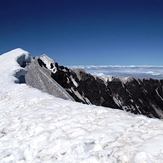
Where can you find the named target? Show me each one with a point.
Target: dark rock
(38, 76)
(41, 63)
(138, 96)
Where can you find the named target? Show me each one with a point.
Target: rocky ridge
(138, 96)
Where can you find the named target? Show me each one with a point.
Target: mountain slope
(138, 96)
(39, 77)
(37, 127)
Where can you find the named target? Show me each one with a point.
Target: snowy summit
(36, 127)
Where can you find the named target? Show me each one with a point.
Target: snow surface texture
(38, 128)
(125, 71)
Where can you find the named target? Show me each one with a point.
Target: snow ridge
(38, 128)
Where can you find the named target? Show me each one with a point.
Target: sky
(85, 32)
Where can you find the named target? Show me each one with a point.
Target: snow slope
(38, 128)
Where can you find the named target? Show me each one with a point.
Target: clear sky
(102, 32)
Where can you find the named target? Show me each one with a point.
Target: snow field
(38, 128)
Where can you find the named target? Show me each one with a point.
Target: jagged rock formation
(38, 128)
(38, 76)
(139, 96)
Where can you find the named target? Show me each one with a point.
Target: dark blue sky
(103, 32)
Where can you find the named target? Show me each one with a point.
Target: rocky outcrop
(138, 96)
(84, 87)
(38, 76)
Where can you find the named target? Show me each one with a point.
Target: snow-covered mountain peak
(16, 52)
(19, 54)
(36, 127)
(11, 63)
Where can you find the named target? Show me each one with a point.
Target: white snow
(74, 82)
(48, 61)
(38, 128)
(158, 94)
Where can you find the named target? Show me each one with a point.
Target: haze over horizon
(85, 32)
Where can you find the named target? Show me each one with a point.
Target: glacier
(36, 127)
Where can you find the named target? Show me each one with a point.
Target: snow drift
(36, 127)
